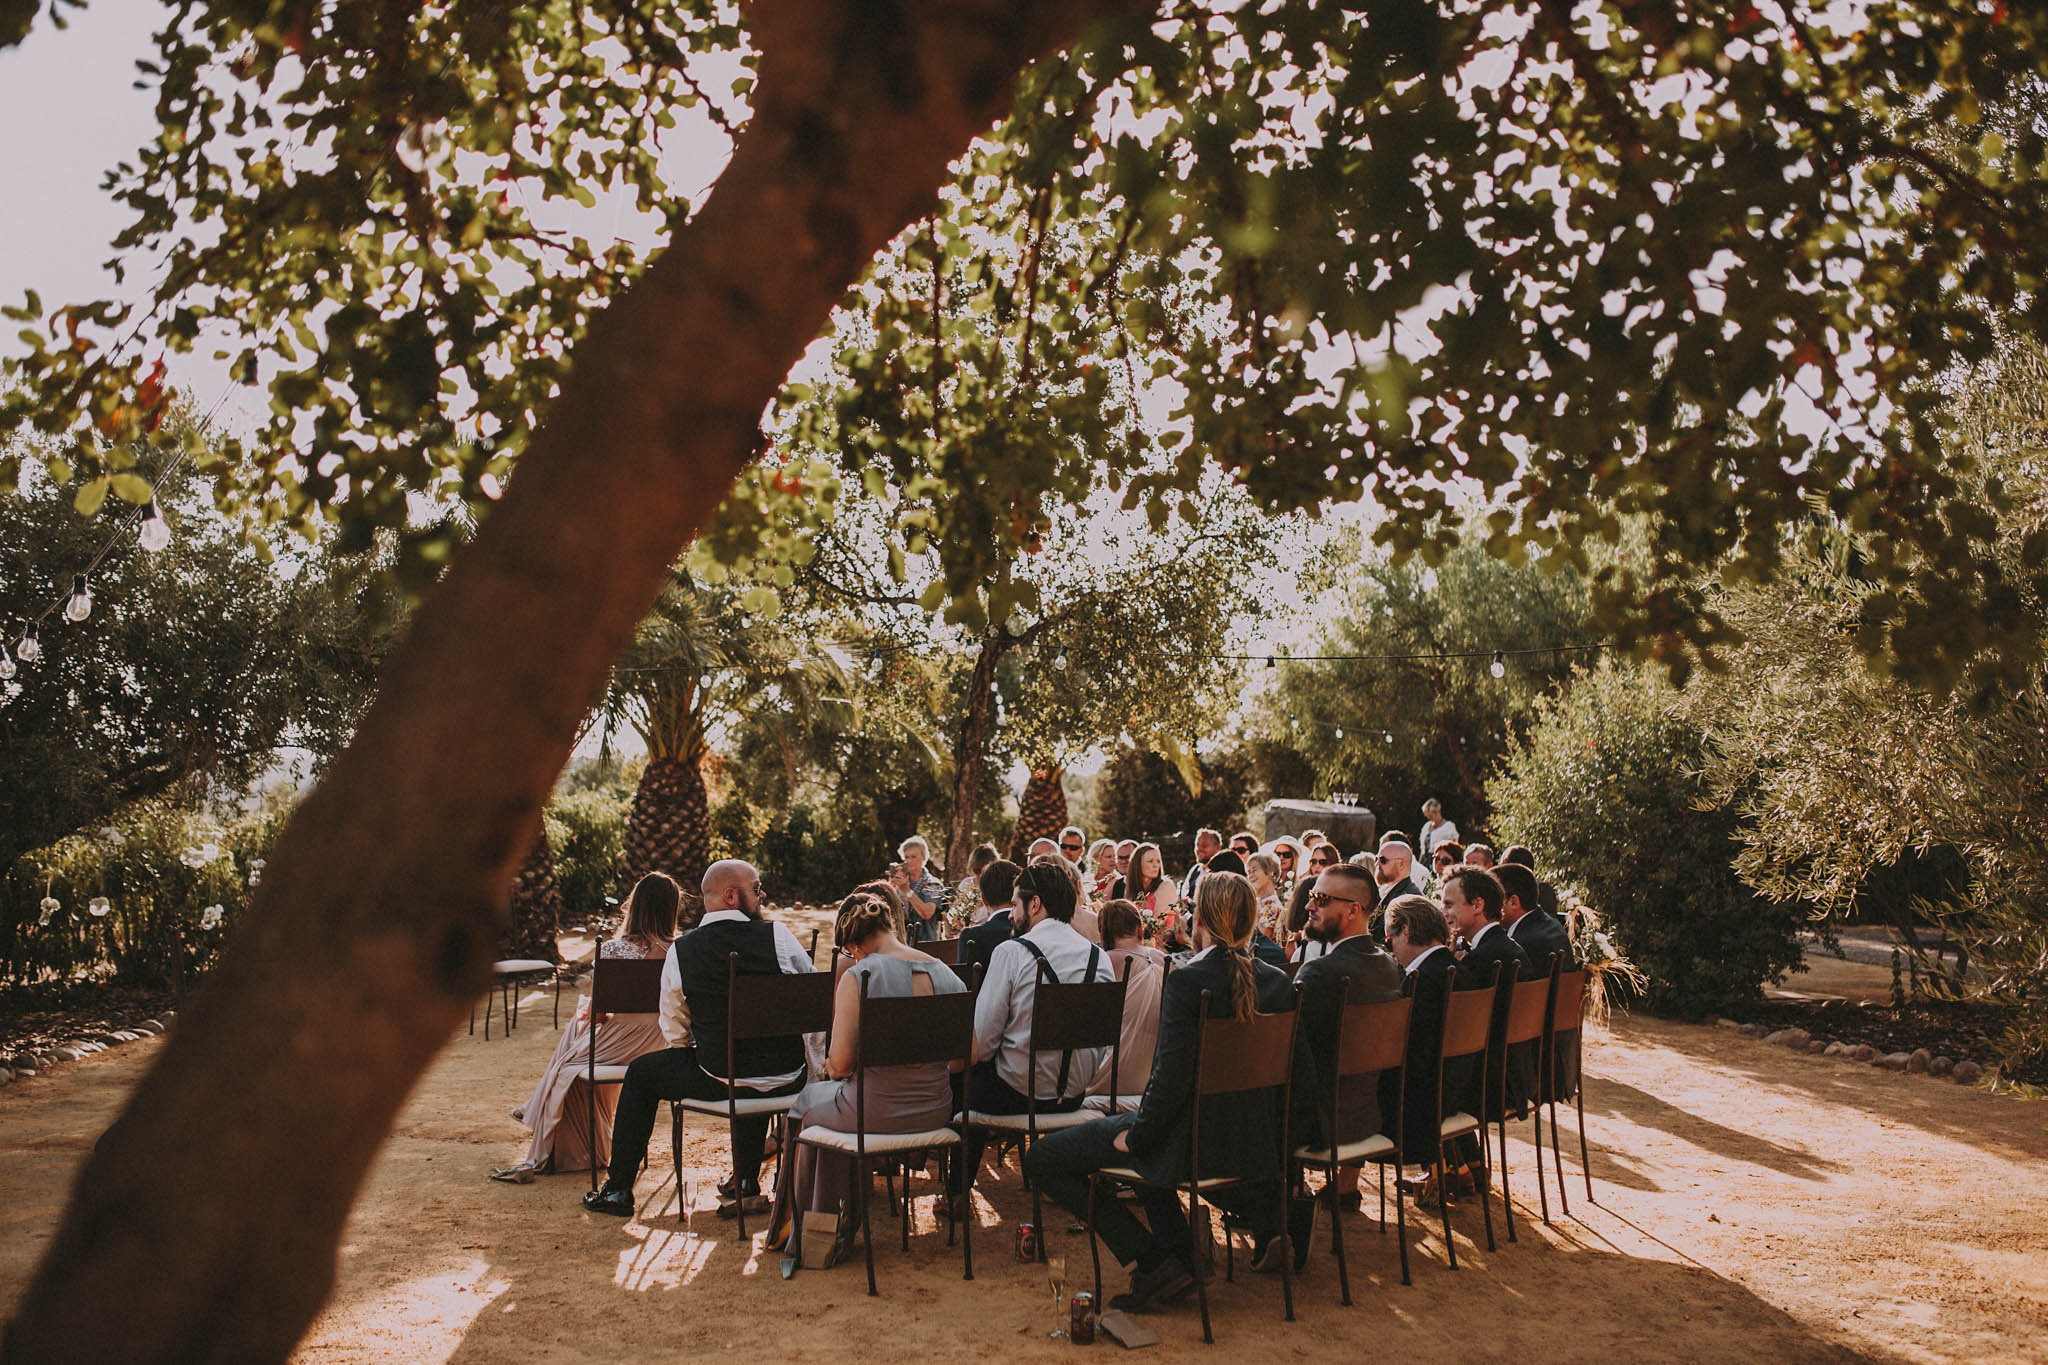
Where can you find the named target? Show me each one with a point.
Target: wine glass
(1056, 1277)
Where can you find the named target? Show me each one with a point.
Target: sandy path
(1753, 1206)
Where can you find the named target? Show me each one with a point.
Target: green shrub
(587, 833)
(1609, 795)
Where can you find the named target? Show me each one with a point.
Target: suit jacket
(1542, 936)
(1405, 887)
(1495, 950)
(1355, 972)
(979, 942)
(1430, 985)
(1268, 952)
(1241, 1134)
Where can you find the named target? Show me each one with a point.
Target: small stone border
(22, 1065)
(1919, 1062)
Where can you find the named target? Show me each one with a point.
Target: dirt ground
(1751, 1205)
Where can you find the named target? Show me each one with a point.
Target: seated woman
(561, 1140)
(1123, 934)
(899, 1099)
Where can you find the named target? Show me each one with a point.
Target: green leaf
(91, 495)
(132, 488)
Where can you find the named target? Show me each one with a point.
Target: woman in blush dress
(557, 1111)
(900, 1099)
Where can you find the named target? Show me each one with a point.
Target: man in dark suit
(1391, 871)
(1548, 944)
(1354, 970)
(998, 887)
(1241, 1134)
(1419, 938)
(1473, 898)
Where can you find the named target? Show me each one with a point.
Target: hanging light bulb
(1390, 736)
(1340, 732)
(78, 606)
(1270, 665)
(1059, 662)
(1499, 669)
(8, 668)
(30, 649)
(155, 532)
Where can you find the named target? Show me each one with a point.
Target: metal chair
(903, 1031)
(618, 985)
(506, 973)
(946, 950)
(1232, 1056)
(781, 1005)
(1066, 1017)
(1467, 1022)
(1528, 1014)
(1562, 1076)
(1372, 1041)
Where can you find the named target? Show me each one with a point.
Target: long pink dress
(557, 1111)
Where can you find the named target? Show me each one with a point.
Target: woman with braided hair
(1241, 1133)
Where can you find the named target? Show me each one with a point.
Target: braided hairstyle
(1226, 909)
(862, 915)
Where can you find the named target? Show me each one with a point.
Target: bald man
(695, 974)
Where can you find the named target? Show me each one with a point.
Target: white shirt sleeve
(789, 951)
(675, 1013)
(992, 1006)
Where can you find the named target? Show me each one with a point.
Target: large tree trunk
(1041, 811)
(669, 827)
(970, 752)
(203, 1226)
(536, 907)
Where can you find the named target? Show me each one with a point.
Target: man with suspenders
(1046, 947)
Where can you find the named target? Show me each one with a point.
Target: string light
(1059, 662)
(155, 533)
(1499, 666)
(1340, 732)
(8, 668)
(78, 606)
(30, 648)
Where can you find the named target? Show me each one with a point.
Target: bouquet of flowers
(1607, 971)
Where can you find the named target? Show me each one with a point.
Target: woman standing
(899, 1099)
(1148, 887)
(1262, 870)
(1102, 876)
(561, 1141)
(923, 893)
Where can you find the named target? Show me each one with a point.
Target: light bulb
(1340, 732)
(78, 606)
(30, 649)
(1060, 662)
(155, 532)
(1269, 663)
(1500, 665)
(8, 668)
(1390, 736)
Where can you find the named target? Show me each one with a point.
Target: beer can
(1027, 1241)
(1081, 1319)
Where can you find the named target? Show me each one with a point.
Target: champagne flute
(1056, 1276)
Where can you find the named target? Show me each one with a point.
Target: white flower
(98, 907)
(199, 856)
(49, 907)
(256, 866)
(210, 917)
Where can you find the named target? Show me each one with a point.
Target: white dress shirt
(675, 1010)
(1002, 1013)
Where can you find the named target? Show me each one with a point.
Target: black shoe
(617, 1203)
(1164, 1283)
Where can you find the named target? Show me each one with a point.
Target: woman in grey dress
(900, 1099)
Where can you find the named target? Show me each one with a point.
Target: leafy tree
(1143, 794)
(1609, 794)
(1427, 718)
(445, 333)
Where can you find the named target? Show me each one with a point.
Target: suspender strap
(1046, 972)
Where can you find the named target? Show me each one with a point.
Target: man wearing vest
(1046, 946)
(694, 1000)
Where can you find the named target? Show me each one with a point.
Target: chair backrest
(1244, 1054)
(1077, 1014)
(946, 950)
(910, 1030)
(1373, 1037)
(1468, 1018)
(776, 1006)
(1528, 1009)
(626, 985)
(1569, 1014)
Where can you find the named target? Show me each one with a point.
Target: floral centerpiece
(1607, 971)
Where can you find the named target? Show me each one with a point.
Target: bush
(1610, 797)
(587, 834)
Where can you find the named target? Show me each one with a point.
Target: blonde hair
(1265, 861)
(862, 915)
(1227, 910)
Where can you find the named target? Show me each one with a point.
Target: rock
(149, 1026)
(1754, 1030)
(1968, 1072)
(68, 1054)
(1773, 1039)
(1817, 1047)
(1836, 1049)
(1863, 1052)
(45, 1060)
(110, 1038)
(5, 1075)
(1941, 1066)
(1895, 1061)
(1795, 1039)
(1729, 1024)
(1918, 1061)
(24, 1072)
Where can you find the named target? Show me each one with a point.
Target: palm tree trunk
(1042, 811)
(536, 906)
(668, 829)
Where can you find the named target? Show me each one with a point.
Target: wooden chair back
(777, 1006)
(913, 1030)
(1243, 1054)
(1569, 1014)
(1077, 1014)
(1373, 1037)
(1468, 1018)
(946, 950)
(626, 985)
(1528, 1010)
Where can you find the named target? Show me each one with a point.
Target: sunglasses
(1283, 853)
(1324, 898)
(1073, 848)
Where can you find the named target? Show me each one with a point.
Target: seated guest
(1480, 856)
(886, 889)
(967, 895)
(1263, 946)
(1472, 899)
(1245, 843)
(1262, 870)
(561, 1137)
(1085, 923)
(899, 1099)
(1040, 848)
(1519, 853)
(1391, 868)
(1546, 894)
(1045, 946)
(1353, 970)
(695, 979)
(1293, 860)
(1543, 938)
(1143, 970)
(1147, 886)
(1241, 1133)
(1208, 843)
(1446, 856)
(998, 888)
(1419, 937)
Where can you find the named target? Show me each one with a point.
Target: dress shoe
(732, 1207)
(617, 1203)
(1165, 1282)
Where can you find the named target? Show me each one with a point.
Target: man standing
(695, 977)
(1352, 970)
(1045, 946)
(1435, 829)
(1391, 869)
(1208, 843)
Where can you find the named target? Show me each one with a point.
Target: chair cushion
(519, 966)
(1365, 1149)
(1125, 1173)
(747, 1108)
(877, 1142)
(605, 1075)
(1100, 1103)
(1454, 1124)
(1019, 1123)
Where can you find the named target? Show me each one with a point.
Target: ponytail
(1226, 908)
(1244, 988)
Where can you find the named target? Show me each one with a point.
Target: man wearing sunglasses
(1391, 868)
(1073, 843)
